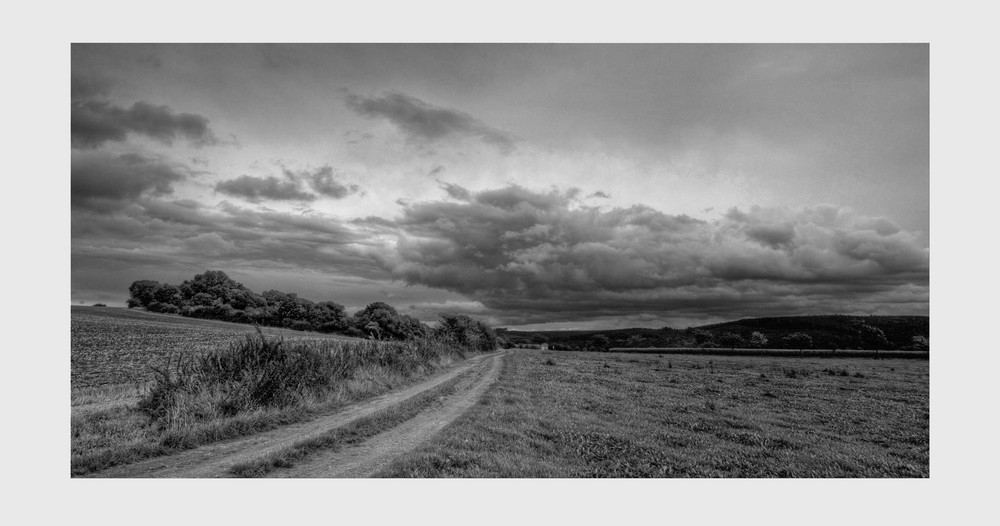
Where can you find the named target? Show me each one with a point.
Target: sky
(530, 186)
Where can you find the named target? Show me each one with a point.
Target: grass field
(567, 414)
(116, 346)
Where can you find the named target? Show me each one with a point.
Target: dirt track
(214, 460)
(367, 458)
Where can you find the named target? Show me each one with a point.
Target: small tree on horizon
(601, 342)
(875, 335)
(758, 340)
(731, 340)
(799, 340)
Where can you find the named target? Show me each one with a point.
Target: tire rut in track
(370, 456)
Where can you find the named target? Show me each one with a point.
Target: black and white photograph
(500, 260)
(436, 264)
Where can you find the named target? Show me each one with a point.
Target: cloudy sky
(534, 186)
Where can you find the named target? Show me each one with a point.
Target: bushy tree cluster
(214, 295)
(381, 321)
(466, 332)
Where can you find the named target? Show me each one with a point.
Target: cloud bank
(95, 122)
(521, 256)
(291, 188)
(104, 182)
(543, 256)
(256, 189)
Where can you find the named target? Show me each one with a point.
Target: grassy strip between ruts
(353, 432)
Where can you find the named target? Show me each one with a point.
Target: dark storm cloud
(94, 121)
(426, 123)
(541, 256)
(455, 191)
(153, 235)
(323, 181)
(292, 188)
(599, 195)
(256, 189)
(103, 182)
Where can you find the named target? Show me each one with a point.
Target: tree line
(214, 295)
(801, 333)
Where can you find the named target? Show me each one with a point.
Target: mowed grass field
(117, 346)
(569, 414)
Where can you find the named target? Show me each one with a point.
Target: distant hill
(825, 332)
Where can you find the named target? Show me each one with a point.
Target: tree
(168, 294)
(799, 340)
(392, 324)
(294, 311)
(758, 340)
(874, 336)
(143, 290)
(539, 339)
(327, 316)
(702, 337)
(600, 342)
(214, 283)
(920, 343)
(731, 340)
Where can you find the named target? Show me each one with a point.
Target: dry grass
(630, 415)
